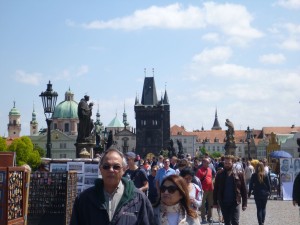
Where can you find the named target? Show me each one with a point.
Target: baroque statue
(85, 125)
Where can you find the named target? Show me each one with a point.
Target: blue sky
(241, 57)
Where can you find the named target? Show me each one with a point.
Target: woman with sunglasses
(173, 208)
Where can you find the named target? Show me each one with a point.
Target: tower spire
(216, 125)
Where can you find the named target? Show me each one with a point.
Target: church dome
(67, 108)
(14, 111)
(115, 123)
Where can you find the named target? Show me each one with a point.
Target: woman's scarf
(172, 209)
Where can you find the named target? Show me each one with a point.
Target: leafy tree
(216, 155)
(41, 151)
(203, 151)
(34, 159)
(25, 152)
(3, 146)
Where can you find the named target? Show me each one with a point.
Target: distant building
(64, 129)
(152, 120)
(14, 124)
(34, 125)
(124, 136)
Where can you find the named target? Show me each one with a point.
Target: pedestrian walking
(260, 185)
(249, 170)
(163, 172)
(230, 192)
(112, 200)
(206, 177)
(296, 191)
(195, 192)
(136, 174)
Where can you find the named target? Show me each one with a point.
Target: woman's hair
(180, 183)
(260, 170)
(187, 171)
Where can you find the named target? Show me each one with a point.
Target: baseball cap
(131, 155)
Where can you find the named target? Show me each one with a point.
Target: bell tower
(34, 125)
(14, 125)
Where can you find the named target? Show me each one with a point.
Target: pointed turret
(33, 123)
(136, 100)
(166, 99)
(216, 125)
(125, 118)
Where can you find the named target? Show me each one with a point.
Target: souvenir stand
(52, 195)
(12, 196)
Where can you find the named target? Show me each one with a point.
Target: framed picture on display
(91, 169)
(80, 178)
(58, 167)
(75, 166)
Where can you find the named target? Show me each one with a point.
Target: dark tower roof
(216, 125)
(149, 96)
(166, 99)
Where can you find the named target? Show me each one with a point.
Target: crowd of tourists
(172, 191)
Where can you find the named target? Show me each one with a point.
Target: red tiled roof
(280, 130)
(240, 135)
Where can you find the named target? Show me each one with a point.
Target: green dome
(66, 109)
(14, 112)
(115, 123)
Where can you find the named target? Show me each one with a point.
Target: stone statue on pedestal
(85, 125)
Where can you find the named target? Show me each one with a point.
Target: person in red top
(206, 178)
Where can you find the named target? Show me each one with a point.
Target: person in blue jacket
(112, 200)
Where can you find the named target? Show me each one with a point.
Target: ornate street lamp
(248, 138)
(49, 98)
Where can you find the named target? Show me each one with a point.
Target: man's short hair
(111, 149)
(230, 157)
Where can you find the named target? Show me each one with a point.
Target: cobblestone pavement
(278, 213)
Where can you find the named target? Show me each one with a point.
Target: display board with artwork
(289, 169)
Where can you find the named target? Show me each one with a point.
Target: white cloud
(291, 44)
(232, 19)
(173, 17)
(82, 70)
(213, 37)
(217, 54)
(231, 71)
(290, 35)
(68, 74)
(28, 78)
(272, 58)
(289, 4)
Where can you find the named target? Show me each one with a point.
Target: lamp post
(49, 98)
(248, 131)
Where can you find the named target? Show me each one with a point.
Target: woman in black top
(260, 185)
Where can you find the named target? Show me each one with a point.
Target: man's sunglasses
(171, 189)
(115, 167)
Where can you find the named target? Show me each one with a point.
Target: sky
(240, 58)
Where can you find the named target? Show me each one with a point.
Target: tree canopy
(25, 152)
(3, 146)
